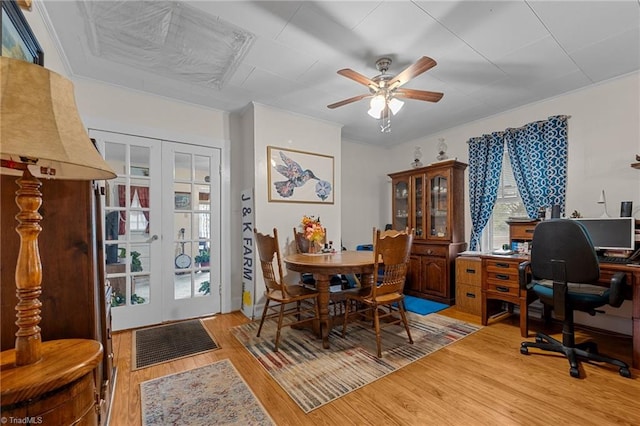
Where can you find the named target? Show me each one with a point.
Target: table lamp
(41, 135)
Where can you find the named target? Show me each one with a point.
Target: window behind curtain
(508, 204)
(138, 221)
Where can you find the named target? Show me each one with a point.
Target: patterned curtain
(485, 165)
(538, 154)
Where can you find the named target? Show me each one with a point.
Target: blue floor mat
(422, 306)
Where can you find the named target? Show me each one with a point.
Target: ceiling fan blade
(358, 78)
(420, 95)
(423, 64)
(348, 101)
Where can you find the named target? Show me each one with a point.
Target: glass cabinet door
(438, 207)
(418, 206)
(400, 204)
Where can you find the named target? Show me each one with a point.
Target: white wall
(365, 197)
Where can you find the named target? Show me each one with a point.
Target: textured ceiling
(492, 56)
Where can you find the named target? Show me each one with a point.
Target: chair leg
(376, 323)
(280, 317)
(264, 314)
(347, 308)
(404, 319)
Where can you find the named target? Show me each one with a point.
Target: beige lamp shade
(40, 125)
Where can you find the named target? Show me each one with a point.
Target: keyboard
(613, 259)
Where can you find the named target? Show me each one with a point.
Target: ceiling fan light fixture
(376, 105)
(395, 105)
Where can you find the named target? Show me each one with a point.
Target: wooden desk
(512, 294)
(323, 266)
(500, 282)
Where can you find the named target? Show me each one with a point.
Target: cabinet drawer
(430, 250)
(522, 231)
(468, 271)
(468, 298)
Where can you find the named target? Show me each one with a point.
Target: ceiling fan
(385, 89)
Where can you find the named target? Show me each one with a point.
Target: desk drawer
(503, 288)
(468, 271)
(522, 231)
(508, 267)
(468, 299)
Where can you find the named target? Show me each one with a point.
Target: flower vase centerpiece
(313, 232)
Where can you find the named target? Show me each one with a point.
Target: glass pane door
(418, 206)
(192, 222)
(131, 228)
(401, 204)
(438, 208)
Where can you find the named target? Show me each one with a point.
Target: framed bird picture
(299, 177)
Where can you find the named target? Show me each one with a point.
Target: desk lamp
(41, 135)
(603, 200)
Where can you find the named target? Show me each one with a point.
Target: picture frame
(299, 177)
(182, 201)
(18, 41)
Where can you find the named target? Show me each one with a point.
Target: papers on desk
(501, 252)
(522, 219)
(470, 253)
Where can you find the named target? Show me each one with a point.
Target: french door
(162, 219)
(191, 227)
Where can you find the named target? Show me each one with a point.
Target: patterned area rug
(155, 345)
(214, 394)
(314, 376)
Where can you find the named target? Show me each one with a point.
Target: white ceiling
(492, 56)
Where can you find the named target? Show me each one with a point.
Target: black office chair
(563, 273)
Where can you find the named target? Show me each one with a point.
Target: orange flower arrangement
(312, 228)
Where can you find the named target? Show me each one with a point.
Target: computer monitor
(615, 233)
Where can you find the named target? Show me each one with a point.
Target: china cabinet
(430, 199)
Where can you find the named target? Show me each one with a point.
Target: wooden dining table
(325, 265)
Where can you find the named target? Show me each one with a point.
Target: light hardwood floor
(480, 380)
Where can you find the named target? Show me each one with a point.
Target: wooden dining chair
(277, 293)
(302, 246)
(391, 254)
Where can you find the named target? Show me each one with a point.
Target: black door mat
(155, 345)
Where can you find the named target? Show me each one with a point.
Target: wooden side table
(500, 282)
(57, 390)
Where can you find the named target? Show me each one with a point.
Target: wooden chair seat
(293, 293)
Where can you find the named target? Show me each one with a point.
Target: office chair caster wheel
(624, 372)
(591, 347)
(575, 372)
(525, 351)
